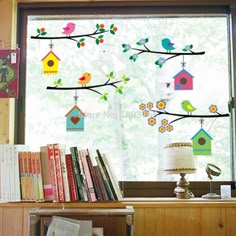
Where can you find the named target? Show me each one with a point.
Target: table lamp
(212, 170)
(178, 159)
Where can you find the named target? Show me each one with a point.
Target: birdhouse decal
(201, 143)
(183, 80)
(75, 119)
(50, 63)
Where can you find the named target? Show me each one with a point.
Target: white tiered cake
(178, 158)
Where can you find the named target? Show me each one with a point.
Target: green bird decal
(188, 107)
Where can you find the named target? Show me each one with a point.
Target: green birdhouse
(201, 142)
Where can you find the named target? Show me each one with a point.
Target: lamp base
(182, 191)
(211, 196)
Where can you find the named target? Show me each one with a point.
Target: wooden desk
(114, 221)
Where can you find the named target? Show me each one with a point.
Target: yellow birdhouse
(50, 63)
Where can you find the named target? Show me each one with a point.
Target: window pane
(117, 126)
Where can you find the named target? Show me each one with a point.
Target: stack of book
(54, 175)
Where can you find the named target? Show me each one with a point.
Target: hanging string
(201, 122)
(183, 62)
(76, 97)
(51, 45)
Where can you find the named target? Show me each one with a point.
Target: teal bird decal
(188, 107)
(167, 44)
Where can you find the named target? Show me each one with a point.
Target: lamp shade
(178, 158)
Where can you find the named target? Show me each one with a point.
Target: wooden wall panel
(213, 221)
(139, 222)
(12, 221)
(230, 219)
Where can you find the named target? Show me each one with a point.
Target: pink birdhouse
(183, 80)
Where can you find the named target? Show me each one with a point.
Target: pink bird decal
(69, 28)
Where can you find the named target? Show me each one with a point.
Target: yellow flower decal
(152, 121)
(213, 109)
(142, 106)
(164, 122)
(162, 129)
(145, 113)
(169, 128)
(165, 126)
(161, 105)
(150, 105)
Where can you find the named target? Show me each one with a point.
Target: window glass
(118, 126)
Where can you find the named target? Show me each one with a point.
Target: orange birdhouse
(50, 63)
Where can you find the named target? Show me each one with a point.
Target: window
(118, 126)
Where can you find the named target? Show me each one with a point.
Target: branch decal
(80, 39)
(104, 96)
(151, 114)
(166, 44)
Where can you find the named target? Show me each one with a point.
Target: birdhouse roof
(73, 108)
(51, 52)
(183, 71)
(202, 131)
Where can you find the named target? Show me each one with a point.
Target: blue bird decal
(167, 44)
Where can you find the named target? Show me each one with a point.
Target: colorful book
(58, 169)
(113, 177)
(39, 176)
(48, 168)
(35, 178)
(107, 175)
(105, 179)
(101, 183)
(64, 173)
(88, 178)
(79, 178)
(71, 178)
(98, 190)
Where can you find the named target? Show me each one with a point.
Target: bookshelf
(114, 221)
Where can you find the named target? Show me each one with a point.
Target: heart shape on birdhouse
(75, 119)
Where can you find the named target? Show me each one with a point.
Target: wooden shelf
(114, 221)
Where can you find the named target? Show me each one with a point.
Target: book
(71, 178)
(58, 172)
(48, 167)
(106, 175)
(64, 172)
(101, 183)
(39, 176)
(69, 227)
(30, 177)
(105, 180)
(113, 177)
(87, 173)
(35, 178)
(78, 176)
(98, 190)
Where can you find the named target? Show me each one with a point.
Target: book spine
(64, 173)
(101, 183)
(79, 181)
(47, 184)
(106, 172)
(87, 173)
(113, 177)
(22, 177)
(60, 187)
(39, 175)
(96, 185)
(71, 178)
(52, 171)
(35, 179)
(31, 189)
(105, 180)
